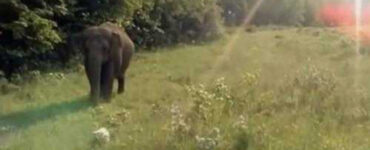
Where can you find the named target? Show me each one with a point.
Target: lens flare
(351, 19)
(234, 37)
(358, 14)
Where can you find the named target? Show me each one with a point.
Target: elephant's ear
(116, 37)
(116, 40)
(116, 50)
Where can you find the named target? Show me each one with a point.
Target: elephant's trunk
(93, 65)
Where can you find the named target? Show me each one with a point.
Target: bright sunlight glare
(358, 14)
(233, 38)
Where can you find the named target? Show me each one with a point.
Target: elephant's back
(96, 33)
(125, 39)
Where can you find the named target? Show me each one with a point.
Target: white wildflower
(241, 123)
(178, 123)
(210, 142)
(102, 135)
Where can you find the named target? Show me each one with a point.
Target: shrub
(27, 37)
(287, 12)
(165, 22)
(311, 85)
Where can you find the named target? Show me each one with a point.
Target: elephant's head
(94, 41)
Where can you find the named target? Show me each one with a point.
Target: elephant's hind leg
(121, 77)
(107, 81)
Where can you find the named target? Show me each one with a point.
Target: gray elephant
(108, 51)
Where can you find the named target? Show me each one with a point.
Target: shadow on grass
(29, 117)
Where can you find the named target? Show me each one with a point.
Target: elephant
(107, 53)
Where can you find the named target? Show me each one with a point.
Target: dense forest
(33, 33)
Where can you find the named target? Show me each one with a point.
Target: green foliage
(164, 22)
(282, 12)
(287, 12)
(35, 31)
(28, 34)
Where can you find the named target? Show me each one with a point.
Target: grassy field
(286, 89)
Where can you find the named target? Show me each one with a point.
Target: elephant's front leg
(93, 70)
(107, 77)
(121, 84)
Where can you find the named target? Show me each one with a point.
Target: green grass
(282, 90)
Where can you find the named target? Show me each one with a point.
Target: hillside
(276, 89)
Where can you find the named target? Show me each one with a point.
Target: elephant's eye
(106, 49)
(105, 46)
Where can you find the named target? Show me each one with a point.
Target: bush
(311, 86)
(27, 36)
(287, 12)
(165, 22)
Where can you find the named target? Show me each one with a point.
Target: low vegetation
(274, 88)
